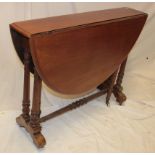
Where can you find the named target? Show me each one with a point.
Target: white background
(93, 127)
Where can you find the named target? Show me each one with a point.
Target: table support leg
(111, 82)
(26, 90)
(120, 96)
(34, 125)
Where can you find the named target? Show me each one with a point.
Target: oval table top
(72, 56)
(30, 27)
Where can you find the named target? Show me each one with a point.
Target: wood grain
(30, 27)
(76, 61)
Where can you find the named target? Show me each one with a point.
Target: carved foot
(38, 138)
(20, 121)
(107, 103)
(120, 96)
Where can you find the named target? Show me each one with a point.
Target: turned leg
(111, 82)
(34, 124)
(26, 90)
(120, 97)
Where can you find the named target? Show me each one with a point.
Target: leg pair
(31, 121)
(113, 83)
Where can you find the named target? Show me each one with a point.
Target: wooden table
(73, 55)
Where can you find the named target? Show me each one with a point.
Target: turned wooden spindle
(111, 82)
(26, 90)
(34, 125)
(120, 96)
(35, 111)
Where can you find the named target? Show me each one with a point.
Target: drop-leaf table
(73, 55)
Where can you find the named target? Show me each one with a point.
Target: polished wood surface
(76, 60)
(30, 27)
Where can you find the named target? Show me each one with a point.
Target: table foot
(120, 96)
(37, 137)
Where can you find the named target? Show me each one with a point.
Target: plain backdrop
(93, 127)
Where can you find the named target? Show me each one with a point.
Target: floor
(91, 128)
